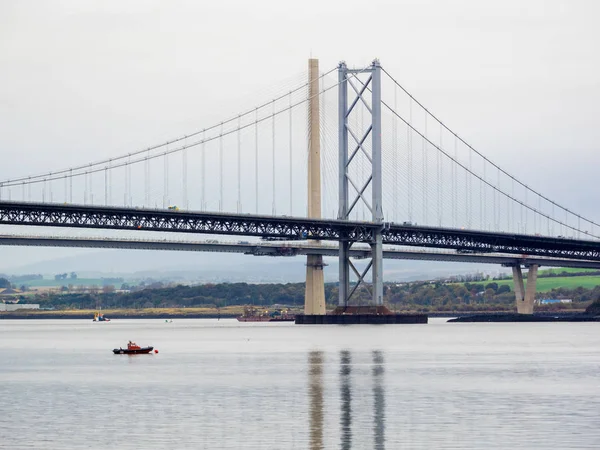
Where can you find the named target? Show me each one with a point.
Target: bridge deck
(291, 228)
(287, 249)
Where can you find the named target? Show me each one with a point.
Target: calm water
(222, 384)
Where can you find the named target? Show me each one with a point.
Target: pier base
(355, 315)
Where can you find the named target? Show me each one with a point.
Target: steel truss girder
(489, 242)
(292, 228)
(75, 216)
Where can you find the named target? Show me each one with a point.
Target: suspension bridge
(386, 178)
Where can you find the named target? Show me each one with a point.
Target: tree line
(416, 296)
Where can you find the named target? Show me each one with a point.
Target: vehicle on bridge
(469, 251)
(286, 251)
(300, 237)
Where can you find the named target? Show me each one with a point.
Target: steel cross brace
(360, 277)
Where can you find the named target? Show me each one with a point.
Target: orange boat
(99, 317)
(132, 349)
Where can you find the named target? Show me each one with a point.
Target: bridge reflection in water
(317, 400)
(378, 400)
(346, 397)
(315, 389)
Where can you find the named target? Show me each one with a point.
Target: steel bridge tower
(360, 87)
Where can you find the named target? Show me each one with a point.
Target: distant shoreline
(170, 314)
(19, 316)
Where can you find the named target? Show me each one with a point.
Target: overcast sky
(83, 79)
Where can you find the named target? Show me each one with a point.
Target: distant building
(18, 306)
(552, 301)
(9, 295)
(9, 291)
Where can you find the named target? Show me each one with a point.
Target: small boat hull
(99, 317)
(139, 351)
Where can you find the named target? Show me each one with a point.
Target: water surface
(223, 384)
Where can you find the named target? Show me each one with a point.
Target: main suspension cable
(483, 156)
(10, 182)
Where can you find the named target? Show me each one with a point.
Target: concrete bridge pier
(525, 298)
(314, 297)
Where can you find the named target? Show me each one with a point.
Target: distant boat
(99, 317)
(132, 349)
(252, 315)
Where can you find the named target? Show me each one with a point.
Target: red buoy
(155, 351)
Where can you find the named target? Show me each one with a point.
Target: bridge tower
(361, 87)
(314, 297)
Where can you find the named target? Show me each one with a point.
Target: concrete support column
(525, 297)
(519, 286)
(314, 297)
(530, 290)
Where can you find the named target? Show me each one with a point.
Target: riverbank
(229, 312)
(148, 313)
(448, 314)
(526, 318)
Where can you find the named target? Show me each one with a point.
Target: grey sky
(518, 80)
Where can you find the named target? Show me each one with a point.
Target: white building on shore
(18, 306)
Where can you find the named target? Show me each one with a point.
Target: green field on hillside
(547, 284)
(566, 269)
